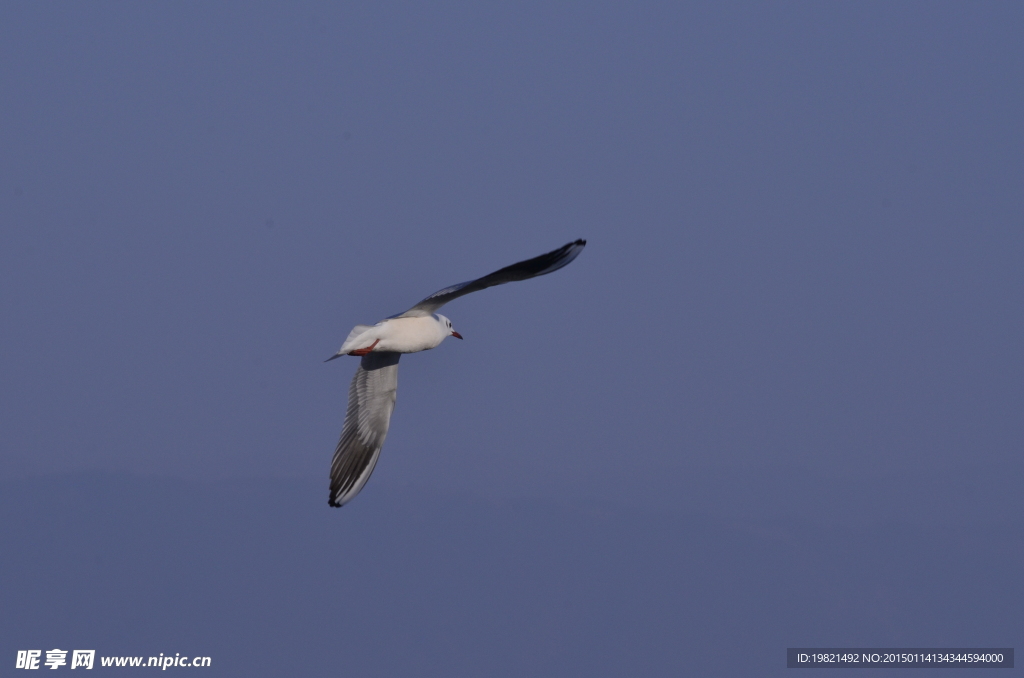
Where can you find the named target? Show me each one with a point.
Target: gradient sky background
(776, 401)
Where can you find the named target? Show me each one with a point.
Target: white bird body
(371, 396)
(398, 335)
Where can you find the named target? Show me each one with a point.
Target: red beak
(456, 334)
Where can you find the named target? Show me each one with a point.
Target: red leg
(364, 351)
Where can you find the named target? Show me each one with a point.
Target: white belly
(408, 335)
(401, 335)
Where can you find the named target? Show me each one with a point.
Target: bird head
(447, 326)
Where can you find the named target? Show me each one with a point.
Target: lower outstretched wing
(531, 268)
(371, 399)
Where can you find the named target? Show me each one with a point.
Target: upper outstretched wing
(371, 399)
(531, 268)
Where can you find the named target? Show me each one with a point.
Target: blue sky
(799, 303)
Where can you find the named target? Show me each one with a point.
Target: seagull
(371, 396)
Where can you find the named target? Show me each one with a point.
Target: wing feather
(524, 270)
(371, 399)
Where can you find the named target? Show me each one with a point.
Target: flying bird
(371, 396)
